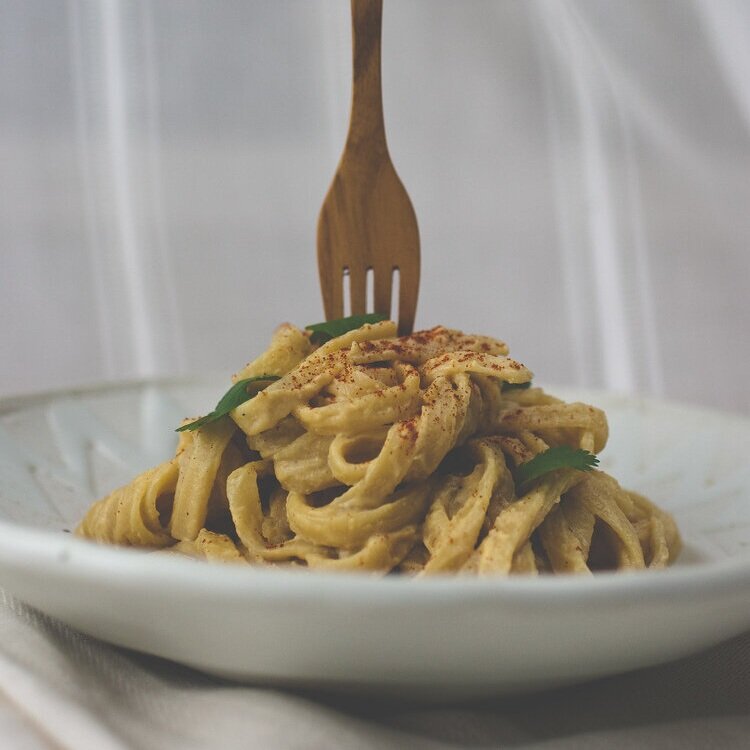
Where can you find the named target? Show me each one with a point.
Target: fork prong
(408, 288)
(333, 295)
(383, 285)
(329, 271)
(358, 289)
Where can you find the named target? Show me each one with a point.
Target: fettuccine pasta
(390, 454)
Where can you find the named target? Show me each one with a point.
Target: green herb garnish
(235, 396)
(322, 332)
(559, 457)
(516, 386)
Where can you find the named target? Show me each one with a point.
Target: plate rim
(120, 567)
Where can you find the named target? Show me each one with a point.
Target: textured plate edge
(57, 555)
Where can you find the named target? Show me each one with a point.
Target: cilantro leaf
(323, 332)
(516, 386)
(235, 396)
(559, 457)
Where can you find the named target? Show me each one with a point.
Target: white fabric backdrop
(580, 171)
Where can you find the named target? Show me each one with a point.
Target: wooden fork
(367, 220)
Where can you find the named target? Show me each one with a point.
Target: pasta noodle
(390, 454)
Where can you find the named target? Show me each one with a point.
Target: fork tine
(358, 289)
(329, 271)
(332, 289)
(383, 285)
(408, 288)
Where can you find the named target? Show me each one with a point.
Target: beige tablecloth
(61, 689)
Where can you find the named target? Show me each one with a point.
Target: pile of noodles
(373, 452)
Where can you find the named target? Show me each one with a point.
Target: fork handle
(366, 127)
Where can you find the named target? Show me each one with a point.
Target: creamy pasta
(384, 453)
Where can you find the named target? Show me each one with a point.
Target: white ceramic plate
(449, 636)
